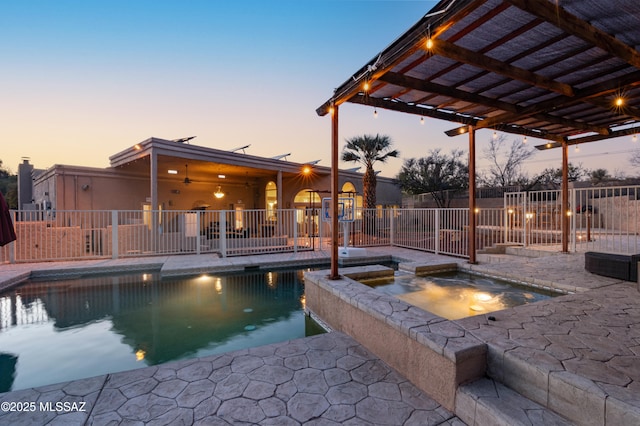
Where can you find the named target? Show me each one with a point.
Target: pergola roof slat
(537, 66)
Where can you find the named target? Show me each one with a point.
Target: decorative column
(154, 199)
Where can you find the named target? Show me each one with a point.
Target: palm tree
(366, 150)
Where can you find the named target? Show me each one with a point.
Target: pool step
(487, 402)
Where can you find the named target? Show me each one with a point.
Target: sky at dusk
(83, 80)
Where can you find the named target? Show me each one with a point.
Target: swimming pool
(67, 329)
(457, 294)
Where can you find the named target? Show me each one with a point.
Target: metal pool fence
(72, 235)
(603, 219)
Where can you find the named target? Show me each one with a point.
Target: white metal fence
(605, 219)
(602, 219)
(72, 235)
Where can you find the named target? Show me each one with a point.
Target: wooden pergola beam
(466, 120)
(463, 55)
(427, 86)
(586, 94)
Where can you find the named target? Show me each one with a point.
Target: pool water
(62, 330)
(454, 295)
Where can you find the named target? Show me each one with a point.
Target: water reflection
(74, 322)
(457, 295)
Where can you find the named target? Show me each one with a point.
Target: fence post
(114, 234)
(526, 220)
(437, 228)
(505, 211)
(295, 230)
(223, 233)
(392, 226)
(572, 206)
(12, 245)
(198, 220)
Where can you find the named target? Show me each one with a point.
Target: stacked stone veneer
(435, 354)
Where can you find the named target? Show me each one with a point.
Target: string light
(375, 113)
(365, 86)
(524, 140)
(429, 43)
(634, 138)
(421, 120)
(495, 135)
(577, 148)
(619, 101)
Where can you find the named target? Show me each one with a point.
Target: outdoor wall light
(218, 194)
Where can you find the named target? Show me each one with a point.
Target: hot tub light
(482, 297)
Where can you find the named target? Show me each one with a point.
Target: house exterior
(174, 175)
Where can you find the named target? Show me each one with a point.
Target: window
(271, 199)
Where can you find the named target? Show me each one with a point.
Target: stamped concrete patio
(577, 355)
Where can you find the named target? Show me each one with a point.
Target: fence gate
(534, 217)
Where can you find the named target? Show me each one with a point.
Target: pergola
(565, 71)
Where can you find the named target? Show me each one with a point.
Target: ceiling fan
(186, 179)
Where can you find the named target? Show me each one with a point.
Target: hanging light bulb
(634, 138)
(421, 120)
(524, 140)
(218, 194)
(577, 149)
(429, 43)
(375, 113)
(495, 135)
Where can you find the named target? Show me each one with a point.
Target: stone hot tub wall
(435, 354)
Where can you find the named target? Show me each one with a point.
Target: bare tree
(506, 162)
(441, 175)
(634, 160)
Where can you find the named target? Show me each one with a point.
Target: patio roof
(547, 69)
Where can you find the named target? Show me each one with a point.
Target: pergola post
(564, 220)
(472, 195)
(334, 194)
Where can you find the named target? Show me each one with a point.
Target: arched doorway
(349, 190)
(308, 205)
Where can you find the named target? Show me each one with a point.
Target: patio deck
(577, 355)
